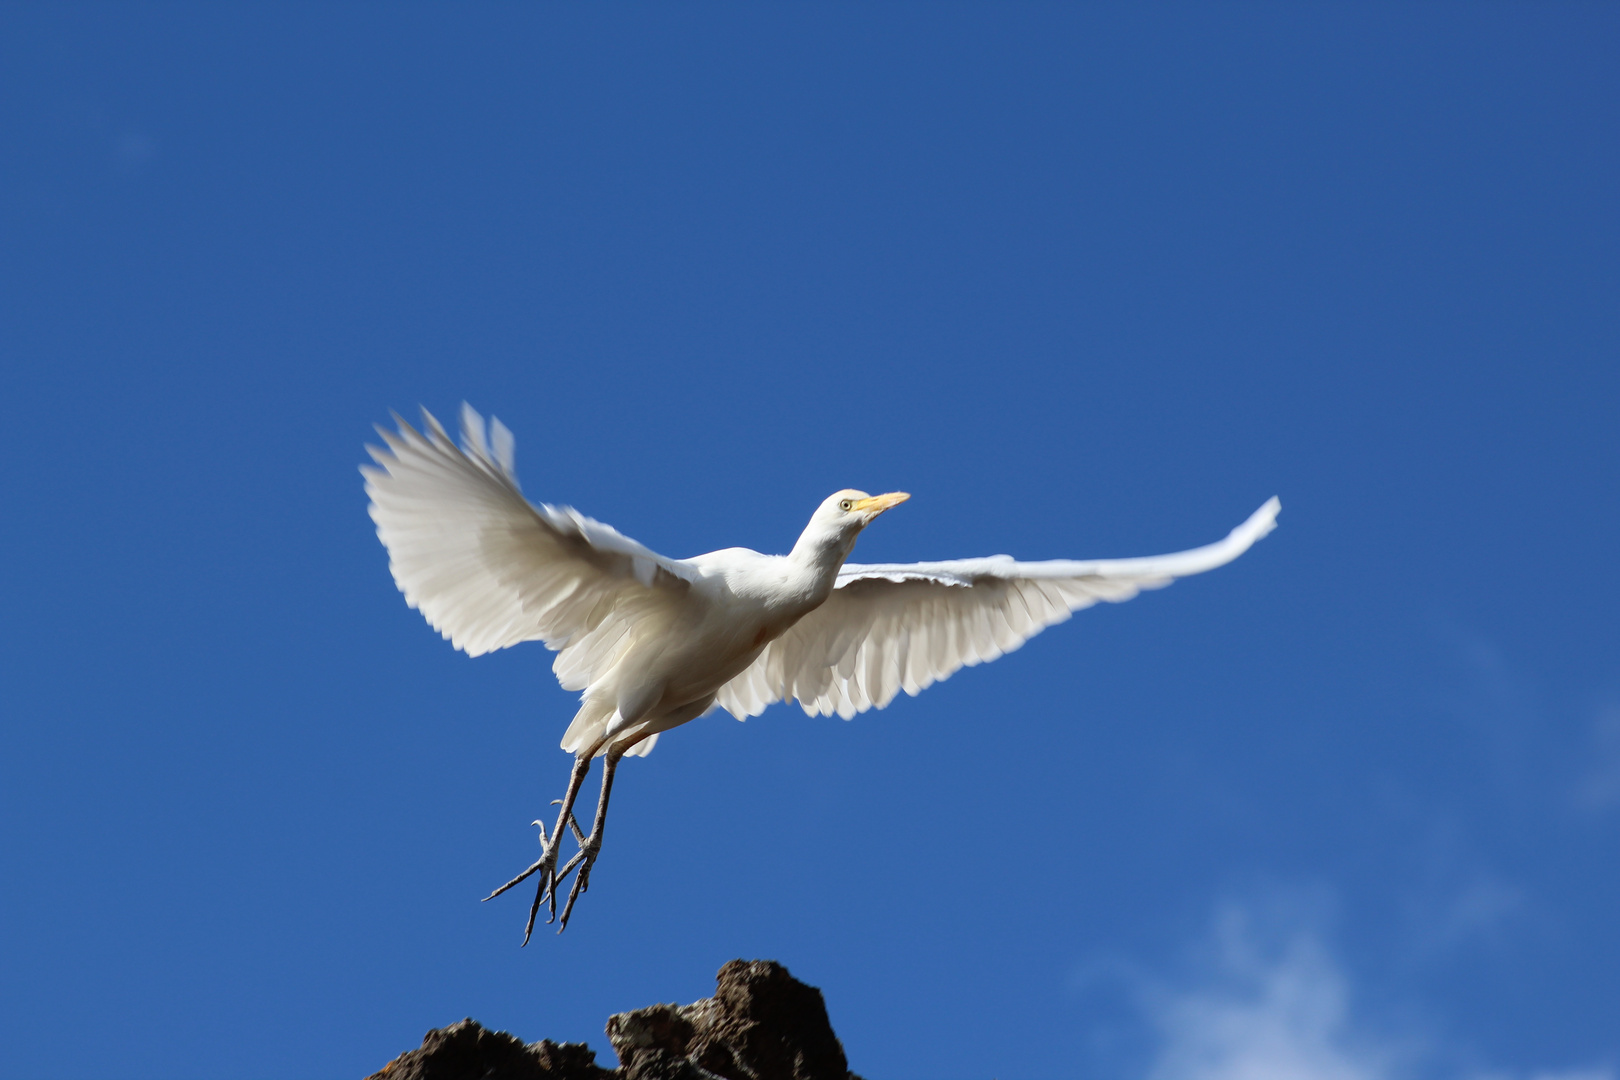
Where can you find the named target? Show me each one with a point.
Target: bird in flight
(653, 642)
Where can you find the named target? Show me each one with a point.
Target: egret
(654, 642)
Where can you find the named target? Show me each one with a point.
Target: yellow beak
(876, 504)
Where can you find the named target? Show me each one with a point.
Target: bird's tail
(588, 725)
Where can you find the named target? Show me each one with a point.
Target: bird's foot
(546, 866)
(584, 859)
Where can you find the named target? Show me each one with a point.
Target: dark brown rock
(467, 1050)
(761, 1024)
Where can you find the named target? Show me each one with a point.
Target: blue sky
(1086, 281)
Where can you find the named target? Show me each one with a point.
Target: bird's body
(654, 642)
(678, 656)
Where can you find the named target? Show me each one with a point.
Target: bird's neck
(814, 563)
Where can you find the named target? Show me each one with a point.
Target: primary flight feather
(654, 642)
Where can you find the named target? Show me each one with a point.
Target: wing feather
(906, 626)
(487, 569)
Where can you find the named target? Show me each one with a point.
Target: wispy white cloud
(1268, 1000)
(1599, 787)
(1259, 1009)
(1458, 909)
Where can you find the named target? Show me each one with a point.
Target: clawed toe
(547, 855)
(585, 859)
(537, 864)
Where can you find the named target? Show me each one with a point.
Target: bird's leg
(547, 889)
(573, 823)
(547, 863)
(586, 857)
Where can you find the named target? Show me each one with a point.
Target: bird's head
(843, 514)
(856, 509)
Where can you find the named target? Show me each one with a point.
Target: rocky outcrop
(466, 1050)
(761, 1024)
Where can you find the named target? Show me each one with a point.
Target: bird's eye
(846, 505)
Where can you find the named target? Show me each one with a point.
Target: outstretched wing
(894, 627)
(488, 569)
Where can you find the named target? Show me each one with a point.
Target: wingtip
(473, 438)
(1259, 524)
(433, 429)
(1262, 521)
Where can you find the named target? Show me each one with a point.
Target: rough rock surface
(466, 1050)
(761, 1024)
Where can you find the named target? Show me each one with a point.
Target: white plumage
(654, 642)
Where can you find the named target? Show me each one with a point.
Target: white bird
(654, 642)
